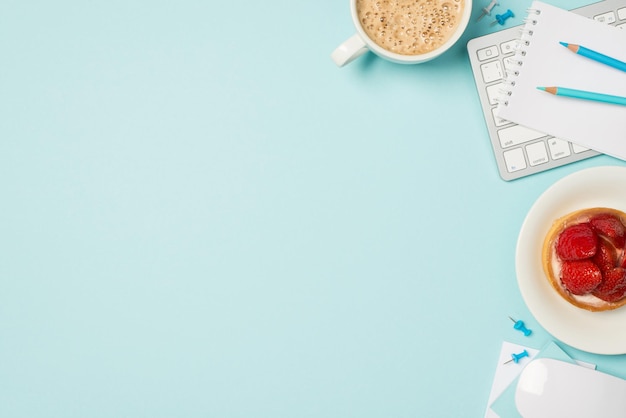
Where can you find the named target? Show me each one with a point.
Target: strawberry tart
(584, 258)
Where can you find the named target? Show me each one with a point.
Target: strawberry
(617, 295)
(612, 281)
(577, 242)
(580, 276)
(621, 257)
(606, 255)
(611, 227)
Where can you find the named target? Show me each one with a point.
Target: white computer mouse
(549, 388)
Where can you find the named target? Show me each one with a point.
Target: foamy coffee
(410, 27)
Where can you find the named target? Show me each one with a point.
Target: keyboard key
(516, 135)
(498, 121)
(578, 149)
(608, 17)
(487, 53)
(559, 148)
(514, 160)
(509, 46)
(537, 153)
(492, 71)
(494, 92)
(621, 13)
(510, 64)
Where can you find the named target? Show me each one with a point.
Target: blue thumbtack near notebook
(543, 61)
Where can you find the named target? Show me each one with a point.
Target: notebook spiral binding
(515, 64)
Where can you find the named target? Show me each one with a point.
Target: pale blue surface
(203, 217)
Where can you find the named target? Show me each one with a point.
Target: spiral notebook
(542, 61)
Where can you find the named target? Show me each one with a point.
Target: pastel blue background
(203, 217)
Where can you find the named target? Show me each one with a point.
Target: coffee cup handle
(350, 50)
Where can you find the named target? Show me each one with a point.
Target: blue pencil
(586, 95)
(596, 56)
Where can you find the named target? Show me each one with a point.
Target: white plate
(595, 332)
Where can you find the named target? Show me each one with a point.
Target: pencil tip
(572, 47)
(551, 90)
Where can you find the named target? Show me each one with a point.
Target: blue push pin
(503, 17)
(519, 325)
(517, 357)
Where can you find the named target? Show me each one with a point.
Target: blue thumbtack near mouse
(519, 325)
(517, 357)
(503, 17)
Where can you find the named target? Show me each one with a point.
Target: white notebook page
(599, 126)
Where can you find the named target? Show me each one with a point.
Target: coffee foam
(410, 27)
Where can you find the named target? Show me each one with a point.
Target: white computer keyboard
(520, 151)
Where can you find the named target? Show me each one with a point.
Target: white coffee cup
(360, 42)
